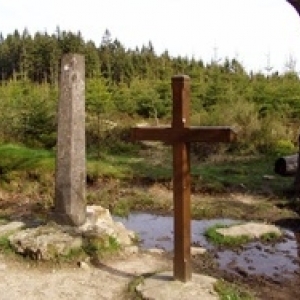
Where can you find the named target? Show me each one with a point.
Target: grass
(122, 208)
(75, 254)
(17, 158)
(131, 292)
(223, 206)
(270, 237)
(5, 246)
(214, 176)
(120, 181)
(209, 176)
(247, 173)
(229, 291)
(221, 240)
(101, 246)
(110, 166)
(233, 241)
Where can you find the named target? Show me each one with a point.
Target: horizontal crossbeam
(166, 134)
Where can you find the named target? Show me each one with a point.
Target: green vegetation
(14, 157)
(125, 86)
(270, 237)
(75, 254)
(131, 292)
(100, 246)
(219, 239)
(246, 172)
(232, 241)
(19, 162)
(230, 291)
(120, 182)
(5, 246)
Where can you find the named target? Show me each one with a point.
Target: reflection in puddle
(277, 261)
(157, 231)
(268, 260)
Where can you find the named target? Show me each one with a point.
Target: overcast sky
(259, 33)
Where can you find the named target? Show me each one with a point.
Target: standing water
(277, 261)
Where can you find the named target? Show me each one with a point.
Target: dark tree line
(37, 57)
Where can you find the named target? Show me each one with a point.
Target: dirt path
(106, 281)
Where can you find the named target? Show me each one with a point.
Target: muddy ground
(261, 286)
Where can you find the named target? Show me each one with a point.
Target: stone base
(98, 222)
(52, 240)
(162, 286)
(44, 242)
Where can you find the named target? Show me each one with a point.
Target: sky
(261, 34)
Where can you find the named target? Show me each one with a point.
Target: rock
(251, 229)
(44, 242)
(83, 265)
(156, 251)
(11, 227)
(99, 222)
(52, 240)
(197, 251)
(131, 250)
(161, 286)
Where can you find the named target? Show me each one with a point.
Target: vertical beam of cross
(181, 181)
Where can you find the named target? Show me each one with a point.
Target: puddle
(157, 231)
(278, 261)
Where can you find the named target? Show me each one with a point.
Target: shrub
(256, 134)
(284, 147)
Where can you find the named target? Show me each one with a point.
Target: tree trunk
(297, 177)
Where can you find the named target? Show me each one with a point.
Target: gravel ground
(106, 281)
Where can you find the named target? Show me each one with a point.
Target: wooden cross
(180, 134)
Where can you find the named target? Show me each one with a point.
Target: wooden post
(181, 181)
(180, 134)
(70, 207)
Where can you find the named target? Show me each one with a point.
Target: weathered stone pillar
(70, 204)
